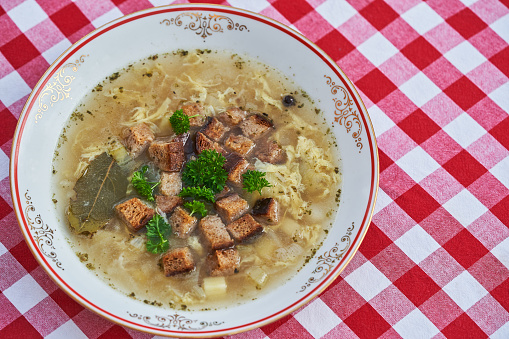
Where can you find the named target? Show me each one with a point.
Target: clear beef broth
(307, 185)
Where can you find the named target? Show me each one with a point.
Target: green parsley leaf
(255, 181)
(144, 187)
(206, 171)
(158, 232)
(180, 122)
(196, 207)
(198, 193)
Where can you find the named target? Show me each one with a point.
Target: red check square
(11, 51)
(417, 286)
(18, 326)
(375, 85)
(500, 132)
(374, 242)
(335, 45)
(501, 61)
(367, 314)
(293, 10)
(417, 203)
(463, 327)
(66, 303)
(501, 210)
(464, 93)
(69, 19)
(501, 294)
(421, 53)
(419, 126)
(465, 168)
(465, 248)
(466, 23)
(379, 14)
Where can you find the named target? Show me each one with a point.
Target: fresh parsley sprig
(158, 232)
(198, 193)
(144, 187)
(255, 181)
(180, 121)
(196, 207)
(206, 171)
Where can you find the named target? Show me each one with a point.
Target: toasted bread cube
(134, 213)
(167, 204)
(178, 261)
(136, 139)
(255, 126)
(224, 262)
(232, 116)
(182, 223)
(236, 166)
(231, 207)
(203, 142)
(215, 233)
(171, 183)
(214, 129)
(266, 210)
(271, 153)
(168, 155)
(239, 144)
(244, 228)
(194, 109)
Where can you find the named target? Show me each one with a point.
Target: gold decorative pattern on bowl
(345, 111)
(327, 260)
(58, 90)
(43, 234)
(175, 321)
(204, 26)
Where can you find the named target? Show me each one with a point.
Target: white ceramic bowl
(165, 29)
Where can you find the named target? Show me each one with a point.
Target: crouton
(182, 223)
(224, 262)
(239, 144)
(203, 142)
(255, 126)
(215, 233)
(171, 183)
(194, 109)
(178, 261)
(266, 210)
(134, 213)
(231, 207)
(272, 153)
(232, 116)
(236, 166)
(168, 155)
(137, 138)
(167, 204)
(244, 228)
(214, 129)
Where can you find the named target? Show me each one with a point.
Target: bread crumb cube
(231, 207)
(239, 144)
(171, 183)
(214, 129)
(182, 223)
(194, 109)
(266, 210)
(178, 261)
(215, 233)
(236, 166)
(224, 262)
(203, 142)
(232, 116)
(271, 153)
(244, 228)
(255, 126)
(168, 155)
(134, 213)
(167, 204)
(136, 139)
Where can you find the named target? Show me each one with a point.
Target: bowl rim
(333, 66)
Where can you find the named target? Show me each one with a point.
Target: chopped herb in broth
(227, 180)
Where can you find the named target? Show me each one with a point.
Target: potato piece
(258, 276)
(214, 286)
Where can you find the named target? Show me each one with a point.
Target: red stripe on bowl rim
(212, 8)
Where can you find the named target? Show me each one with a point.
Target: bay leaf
(101, 186)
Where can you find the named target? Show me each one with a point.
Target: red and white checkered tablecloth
(434, 77)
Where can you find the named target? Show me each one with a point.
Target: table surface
(434, 77)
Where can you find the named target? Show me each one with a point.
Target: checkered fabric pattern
(434, 77)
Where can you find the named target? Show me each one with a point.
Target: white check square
(465, 207)
(54, 52)
(12, 88)
(465, 57)
(500, 27)
(111, 15)
(501, 252)
(416, 325)
(501, 171)
(317, 318)
(27, 15)
(336, 12)
(67, 330)
(25, 293)
(381, 122)
(420, 89)
(464, 130)
(465, 290)
(377, 49)
(501, 96)
(417, 244)
(422, 18)
(368, 281)
(418, 164)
